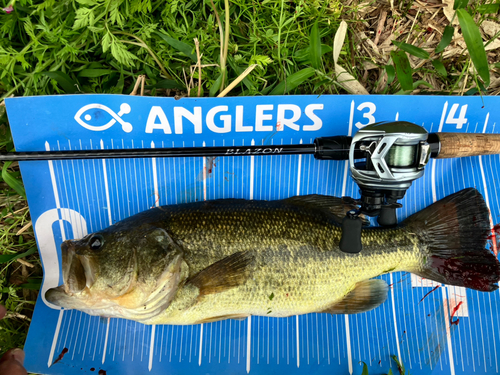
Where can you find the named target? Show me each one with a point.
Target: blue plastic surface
(68, 199)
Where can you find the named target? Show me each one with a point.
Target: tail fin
(455, 230)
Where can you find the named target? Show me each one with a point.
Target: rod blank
(160, 152)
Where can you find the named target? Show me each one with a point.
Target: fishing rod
(443, 145)
(384, 159)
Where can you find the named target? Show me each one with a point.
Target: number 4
(460, 120)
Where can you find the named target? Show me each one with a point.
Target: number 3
(368, 115)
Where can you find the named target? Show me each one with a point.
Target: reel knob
(350, 242)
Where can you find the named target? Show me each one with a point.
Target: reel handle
(457, 145)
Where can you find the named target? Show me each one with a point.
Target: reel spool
(384, 159)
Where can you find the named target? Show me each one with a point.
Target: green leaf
(315, 47)
(401, 368)
(261, 60)
(106, 42)
(118, 88)
(412, 50)
(391, 73)
(421, 82)
(93, 73)
(390, 372)
(120, 53)
(365, 369)
(115, 15)
(268, 89)
(33, 284)
(446, 39)
(403, 69)
(239, 70)
(317, 85)
(179, 46)
(87, 2)
(472, 91)
(271, 296)
(166, 84)
(10, 180)
(216, 86)
(292, 81)
(11, 257)
(460, 4)
(140, 6)
(303, 54)
(84, 17)
(67, 84)
(415, 86)
(488, 8)
(439, 66)
(474, 43)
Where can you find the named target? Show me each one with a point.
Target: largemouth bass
(207, 261)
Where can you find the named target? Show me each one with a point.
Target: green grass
(101, 46)
(18, 283)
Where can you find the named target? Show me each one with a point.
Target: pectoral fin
(225, 274)
(365, 296)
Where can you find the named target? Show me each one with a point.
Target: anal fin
(365, 296)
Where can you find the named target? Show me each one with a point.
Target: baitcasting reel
(384, 160)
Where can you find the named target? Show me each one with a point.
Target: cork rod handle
(456, 145)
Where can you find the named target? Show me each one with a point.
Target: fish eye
(96, 242)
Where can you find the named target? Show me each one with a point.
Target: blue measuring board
(430, 328)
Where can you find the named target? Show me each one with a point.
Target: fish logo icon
(95, 113)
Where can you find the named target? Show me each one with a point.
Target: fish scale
(297, 259)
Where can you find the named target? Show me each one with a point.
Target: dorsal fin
(316, 200)
(335, 205)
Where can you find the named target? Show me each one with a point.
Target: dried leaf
(490, 28)
(495, 44)
(346, 80)
(449, 12)
(338, 41)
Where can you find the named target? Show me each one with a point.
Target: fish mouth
(78, 274)
(78, 271)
